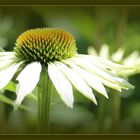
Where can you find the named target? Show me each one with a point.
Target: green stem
(115, 112)
(44, 100)
(121, 27)
(116, 99)
(101, 114)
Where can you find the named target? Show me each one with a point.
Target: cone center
(45, 45)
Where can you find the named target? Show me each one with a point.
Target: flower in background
(132, 60)
(56, 50)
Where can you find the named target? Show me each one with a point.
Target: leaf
(11, 86)
(11, 102)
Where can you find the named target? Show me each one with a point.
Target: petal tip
(71, 106)
(95, 102)
(16, 105)
(106, 96)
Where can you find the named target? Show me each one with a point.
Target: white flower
(84, 72)
(132, 60)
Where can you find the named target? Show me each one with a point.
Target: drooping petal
(6, 63)
(107, 64)
(77, 81)
(103, 63)
(61, 84)
(28, 79)
(112, 85)
(7, 74)
(6, 53)
(2, 58)
(7, 60)
(92, 80)
(105, 82)
(102, 73)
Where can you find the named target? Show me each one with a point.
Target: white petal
(6, 61)
(6, 53)
(112, 85)
(91, 50)
(7, 74)
(61, 84)
(28, 79)
(102, 73)
(131, 59)
(77, 81)
(118, 55)
(103, 62)
(2, 58)
(91, 79)
(108, 83)
(104, 51)
(83, 63)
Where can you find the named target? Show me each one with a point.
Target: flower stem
(44, 100)
(101, 114)
(115, 115)
(116, 99)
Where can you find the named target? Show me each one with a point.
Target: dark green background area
(91, 26)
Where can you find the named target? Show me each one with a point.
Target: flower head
(56, 50)
(45, 45)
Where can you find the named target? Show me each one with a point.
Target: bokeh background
(117, 26)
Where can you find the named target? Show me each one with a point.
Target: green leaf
(11, 87)
(11, 102)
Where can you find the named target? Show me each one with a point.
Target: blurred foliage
(91, 26)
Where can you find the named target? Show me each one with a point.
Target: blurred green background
(118, 26)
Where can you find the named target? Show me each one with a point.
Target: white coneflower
(44, 57)
(55, 50)
(132, 60)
